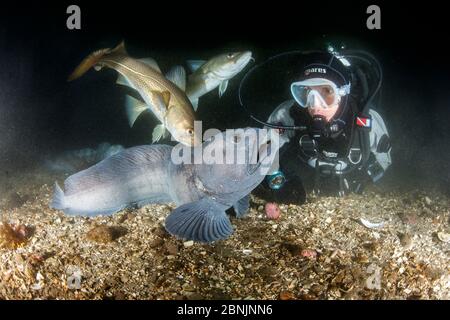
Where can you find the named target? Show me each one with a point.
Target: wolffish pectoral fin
(241, 207)
(203, 220)
(158, 133)
(134, 108)
(223, 87)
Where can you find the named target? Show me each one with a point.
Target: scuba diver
(334, 141)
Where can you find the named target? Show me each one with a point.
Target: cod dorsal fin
(177, 75)
(151, 63)
(120, 49)
(194, 65)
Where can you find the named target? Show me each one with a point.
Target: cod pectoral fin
(121, 80)
(177, 75)
(151, 63)
(134, 108)
(158, 133)
(203, 220)
(194, 103)
(161, 100)
(194, 65)
(223, 87)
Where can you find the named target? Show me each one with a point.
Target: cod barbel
(164, 97)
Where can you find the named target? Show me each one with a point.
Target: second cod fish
(208, 75)
(164, 97)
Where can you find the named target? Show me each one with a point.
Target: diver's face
(317, 107)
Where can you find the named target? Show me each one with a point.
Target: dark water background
(41, 114)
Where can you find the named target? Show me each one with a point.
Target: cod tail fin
(93, 59)
(58, 198)
(89, 62)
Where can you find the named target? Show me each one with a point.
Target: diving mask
(308, 92)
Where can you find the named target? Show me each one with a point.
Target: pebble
(188, 244)
(444, 237)
(405, 240)
(105, 234)
(171, 249)
(286, 295)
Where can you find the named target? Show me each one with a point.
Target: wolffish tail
(93, 59)
(58, 198)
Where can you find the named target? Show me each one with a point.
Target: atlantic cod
(164, 97)
(208, 75)
(146, 174)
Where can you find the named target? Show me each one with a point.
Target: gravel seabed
(319, 250)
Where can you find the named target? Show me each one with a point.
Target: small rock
(373, 282)
(427, 201)
(105, 234)
(409, 218)
(171, 249)
(160, 232)
(188, 244)
(405, 239)
(247, 251)
(444, 237)
(157, 243)
(287, 295)
(294, 249)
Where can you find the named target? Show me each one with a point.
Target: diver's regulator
(276, 180)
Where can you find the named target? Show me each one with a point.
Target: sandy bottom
(320, 250)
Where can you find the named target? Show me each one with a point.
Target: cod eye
(190, 131)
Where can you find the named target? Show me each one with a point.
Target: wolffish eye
(236, 138)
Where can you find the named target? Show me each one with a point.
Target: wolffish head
(237, 160)
(226, 66)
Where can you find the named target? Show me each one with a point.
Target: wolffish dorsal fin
(151, 63)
